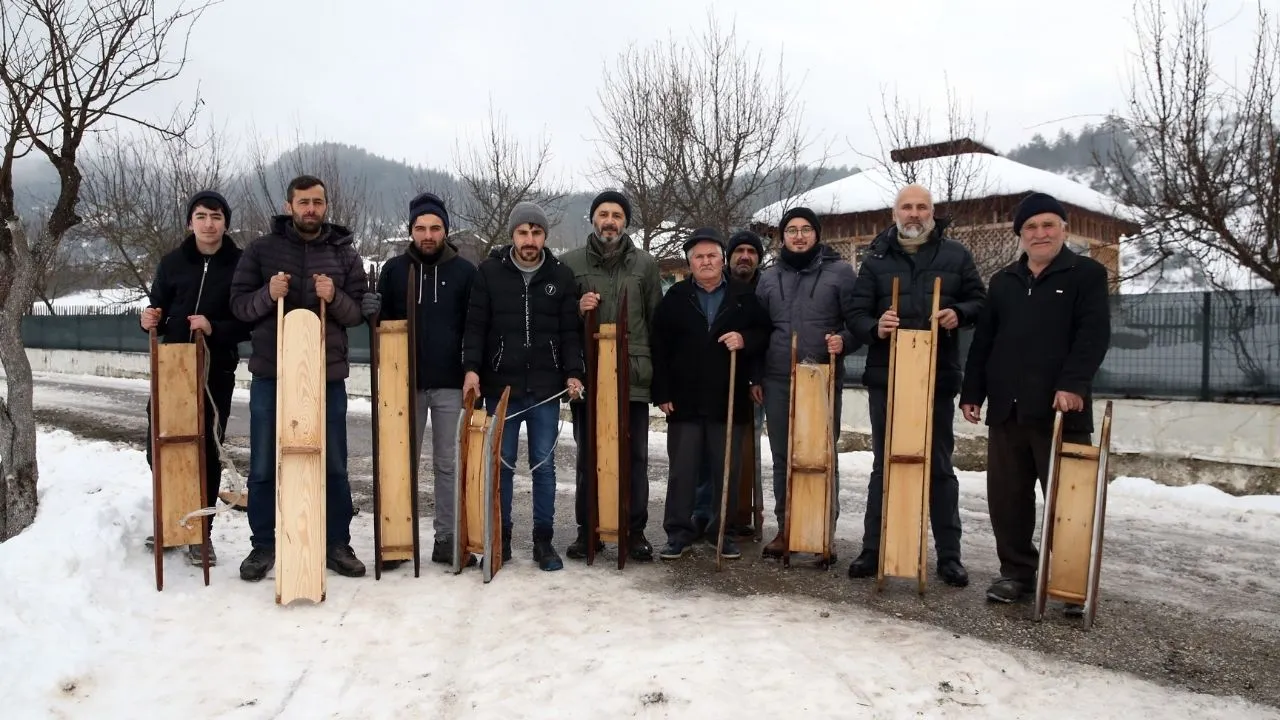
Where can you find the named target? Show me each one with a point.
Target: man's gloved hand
(370, 304)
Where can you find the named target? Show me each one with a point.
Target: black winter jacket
(962, 291)
(690, 366)
(282, 250)
(1038, 336)
(441, 299)
(189, 283)
(527, 337)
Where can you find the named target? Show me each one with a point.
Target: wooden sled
(300, 455)
(908, 444)
(393, 386)
(1075, 511)
(811, 454)
(750, 487)
(608, 456)
(477, 510)
(177, 448)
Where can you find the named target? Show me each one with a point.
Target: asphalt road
(1181, 606)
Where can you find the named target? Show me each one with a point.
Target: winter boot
(776, 545)
(342, 560)
(544, 553)
(1008, 590)
(195, 555)
(442, 552)
(256, 565)
(506, 544)
(577, 549)
(953, 573)
(866, 564)
(639, 547)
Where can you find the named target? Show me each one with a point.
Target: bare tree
(134, 196)
(701, 133)
(65, 68)
(497, 172)
(1203, 173)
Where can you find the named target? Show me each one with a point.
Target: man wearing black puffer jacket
(916, 251)
(443, 281)
(191, 291)
(523, 332)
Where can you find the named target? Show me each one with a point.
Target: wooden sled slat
(180, 443)
(810, 460)
(300, 477)
(464, 463)
(492, 496)
(608, 464)
(607, 460)
(395, 452)
(474, 492)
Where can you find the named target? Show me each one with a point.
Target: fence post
(1206, 347)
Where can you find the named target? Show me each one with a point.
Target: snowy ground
(86, 634)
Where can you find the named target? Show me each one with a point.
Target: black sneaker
(728, 551)
(1073, 610)
(442, 552)
(953, 573)
(673, 550)
(546, 556)
(256, 565)
(342, 560)
(640, 549)
(866, 564)
(1008, 590)
(577, 549)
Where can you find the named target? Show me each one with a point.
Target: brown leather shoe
(776, 546)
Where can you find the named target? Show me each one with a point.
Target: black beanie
(428, 204)
(612, 196)
(801, 212)
(205, 198)
(704, 234)
(745, 237)
(1035, 204)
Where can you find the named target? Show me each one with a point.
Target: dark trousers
(639, 422)
(262, 464)
(221, 383)
(944, 489)
(691, 445)
(1018, 455)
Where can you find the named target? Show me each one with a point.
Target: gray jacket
(813, 302)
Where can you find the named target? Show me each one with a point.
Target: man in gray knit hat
(523, 332)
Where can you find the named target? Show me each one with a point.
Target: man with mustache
(607, 267)
(303, 260)
(443, 280)
(1035, 351)
(523, 332)
(915, 251)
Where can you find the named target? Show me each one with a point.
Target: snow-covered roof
(992, 176)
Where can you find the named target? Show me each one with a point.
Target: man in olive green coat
(609, 265)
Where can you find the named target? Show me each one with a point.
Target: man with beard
(443, 281)
(915, 251)
(810, 293)
(192, 291)
(523, 332)
(1036, 349)
(745, 250)
(302, 261)
(608, 267)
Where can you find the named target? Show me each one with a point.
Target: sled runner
(1075, 509)
(811, 453)
(177, 447)
(908, 443)
(478, 498)
(750, 489)
(300, 455)
(393, 386)
(608, 460)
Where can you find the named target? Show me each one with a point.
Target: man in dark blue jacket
(916, 251)
(191, 291)
(1036, 349)
(523, 332)
(443, 281)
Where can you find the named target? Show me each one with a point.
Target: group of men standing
(518, 321)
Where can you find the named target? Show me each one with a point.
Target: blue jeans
(262, 464)
(543, 424)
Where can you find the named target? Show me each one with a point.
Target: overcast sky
(407, 79)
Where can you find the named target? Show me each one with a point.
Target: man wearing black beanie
(443, 280)
(809, 292)
(1036, 349)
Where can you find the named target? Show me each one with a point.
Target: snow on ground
(86, 634)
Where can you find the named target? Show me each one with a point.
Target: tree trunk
(18, 472)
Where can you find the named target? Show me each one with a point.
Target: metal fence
(1202, 346)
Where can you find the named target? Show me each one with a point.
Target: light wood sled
(300, 455)
(908, 443)
(393, 385)
(811, 453)
(477, 508)
(608, 461)
(1075, 511)
(177, 448)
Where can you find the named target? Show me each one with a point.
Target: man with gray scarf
(809, 292)
(915, 250)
